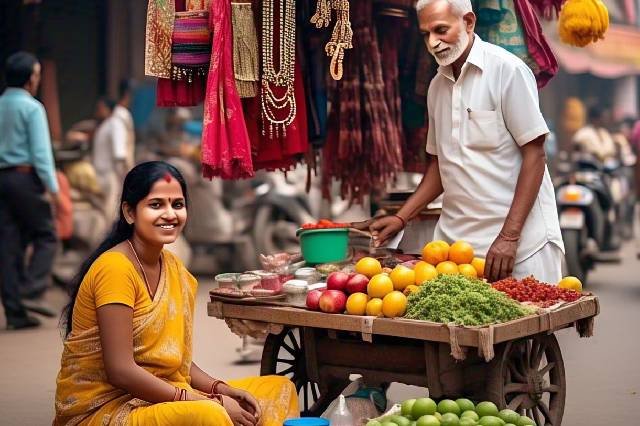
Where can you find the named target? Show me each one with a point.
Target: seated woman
(128, 347)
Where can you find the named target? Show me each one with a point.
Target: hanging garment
(537, 45)
(502, 23)
(161, 20)
(363, 149)
(226, 149)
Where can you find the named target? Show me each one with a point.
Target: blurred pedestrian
(594, 138)
(122, 114)
(27, 186)
(109, 155)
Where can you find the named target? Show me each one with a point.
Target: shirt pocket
(482, 129)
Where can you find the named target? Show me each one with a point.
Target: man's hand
(382, 229)
(500, 258)
(244, 398)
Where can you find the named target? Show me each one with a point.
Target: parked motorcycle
(586, 194)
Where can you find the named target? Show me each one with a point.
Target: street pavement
(603, 372)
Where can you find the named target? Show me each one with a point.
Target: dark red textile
(536, 43)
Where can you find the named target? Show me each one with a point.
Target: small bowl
(227, 280)
(246, 282)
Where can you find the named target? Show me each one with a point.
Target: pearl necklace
(279, 112)
(144, 274)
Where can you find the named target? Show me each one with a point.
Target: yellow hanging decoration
(582, 22)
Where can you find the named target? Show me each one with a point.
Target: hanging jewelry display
(278, 101)
(341, 38)
(245, 49)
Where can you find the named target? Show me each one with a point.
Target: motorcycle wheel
(575, 265)
(274, 231)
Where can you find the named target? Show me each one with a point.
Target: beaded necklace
(279, 112)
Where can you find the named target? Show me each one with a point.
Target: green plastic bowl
(324, 245)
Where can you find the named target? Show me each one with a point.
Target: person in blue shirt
(28, 187)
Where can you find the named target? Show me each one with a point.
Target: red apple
(313, 299)
(332, 301)
(337, 281)
(357, 284)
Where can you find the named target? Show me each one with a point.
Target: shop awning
(618, 55)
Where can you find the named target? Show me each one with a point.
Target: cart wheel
(283, 355)
(527, 376)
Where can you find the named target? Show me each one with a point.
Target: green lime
(373, 423)
(388, 423)
(470, 414)
(491, 421)
(428, 420)
(467, 421)
(407, 406)
(525, 421)
(450, 419)
(509, 416)
(465, 404)
(422, 407)
(487, 408)
(448, 406)
(400, 421)
(509, 424)
(438, 415)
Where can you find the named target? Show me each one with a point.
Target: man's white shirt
(476, 126)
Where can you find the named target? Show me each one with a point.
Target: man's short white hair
(460, 7)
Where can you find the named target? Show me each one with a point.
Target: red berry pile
(531, 290)
(324, 224)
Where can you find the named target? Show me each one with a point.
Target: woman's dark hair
(107, 101)
(137, 185)
(19, 68)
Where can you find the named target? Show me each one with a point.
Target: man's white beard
(453, 52)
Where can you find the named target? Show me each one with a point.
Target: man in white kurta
(486, 135)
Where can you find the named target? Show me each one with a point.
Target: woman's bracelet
(176, 394)
(214, 385)
(404, 222)
(217, 398)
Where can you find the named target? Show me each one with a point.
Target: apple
(337, 281)
(313, 299)
(357, 284)
(332, 301)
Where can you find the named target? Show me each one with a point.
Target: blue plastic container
(308, 421)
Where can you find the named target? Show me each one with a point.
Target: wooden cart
(318, 352)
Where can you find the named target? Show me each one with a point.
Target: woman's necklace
(279, 112)
(144, 274)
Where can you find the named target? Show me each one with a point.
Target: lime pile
(461, 412)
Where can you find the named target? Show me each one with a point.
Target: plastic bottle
(341, 416)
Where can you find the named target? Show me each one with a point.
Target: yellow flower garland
(582, 22)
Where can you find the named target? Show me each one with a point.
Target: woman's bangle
(404, 222)
(217, 398)
(214, 386)
(176, 394)
(183, 394)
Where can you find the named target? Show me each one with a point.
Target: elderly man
(486, 142)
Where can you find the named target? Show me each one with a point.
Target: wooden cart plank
(412, 329)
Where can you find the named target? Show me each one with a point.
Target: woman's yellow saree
(162, 340)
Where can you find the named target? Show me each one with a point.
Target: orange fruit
(478, 264)
(467, 270)
(368, 266)
(571, 283)
(435, 252)
(386, 270)
(374, 307)
(410, 289)
(357, 304)
(379, 286)
(401, 276)
(447, 267)
(461, 252)
(394, 304)
(424, 272)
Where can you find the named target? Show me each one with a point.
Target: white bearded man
(486, 146)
